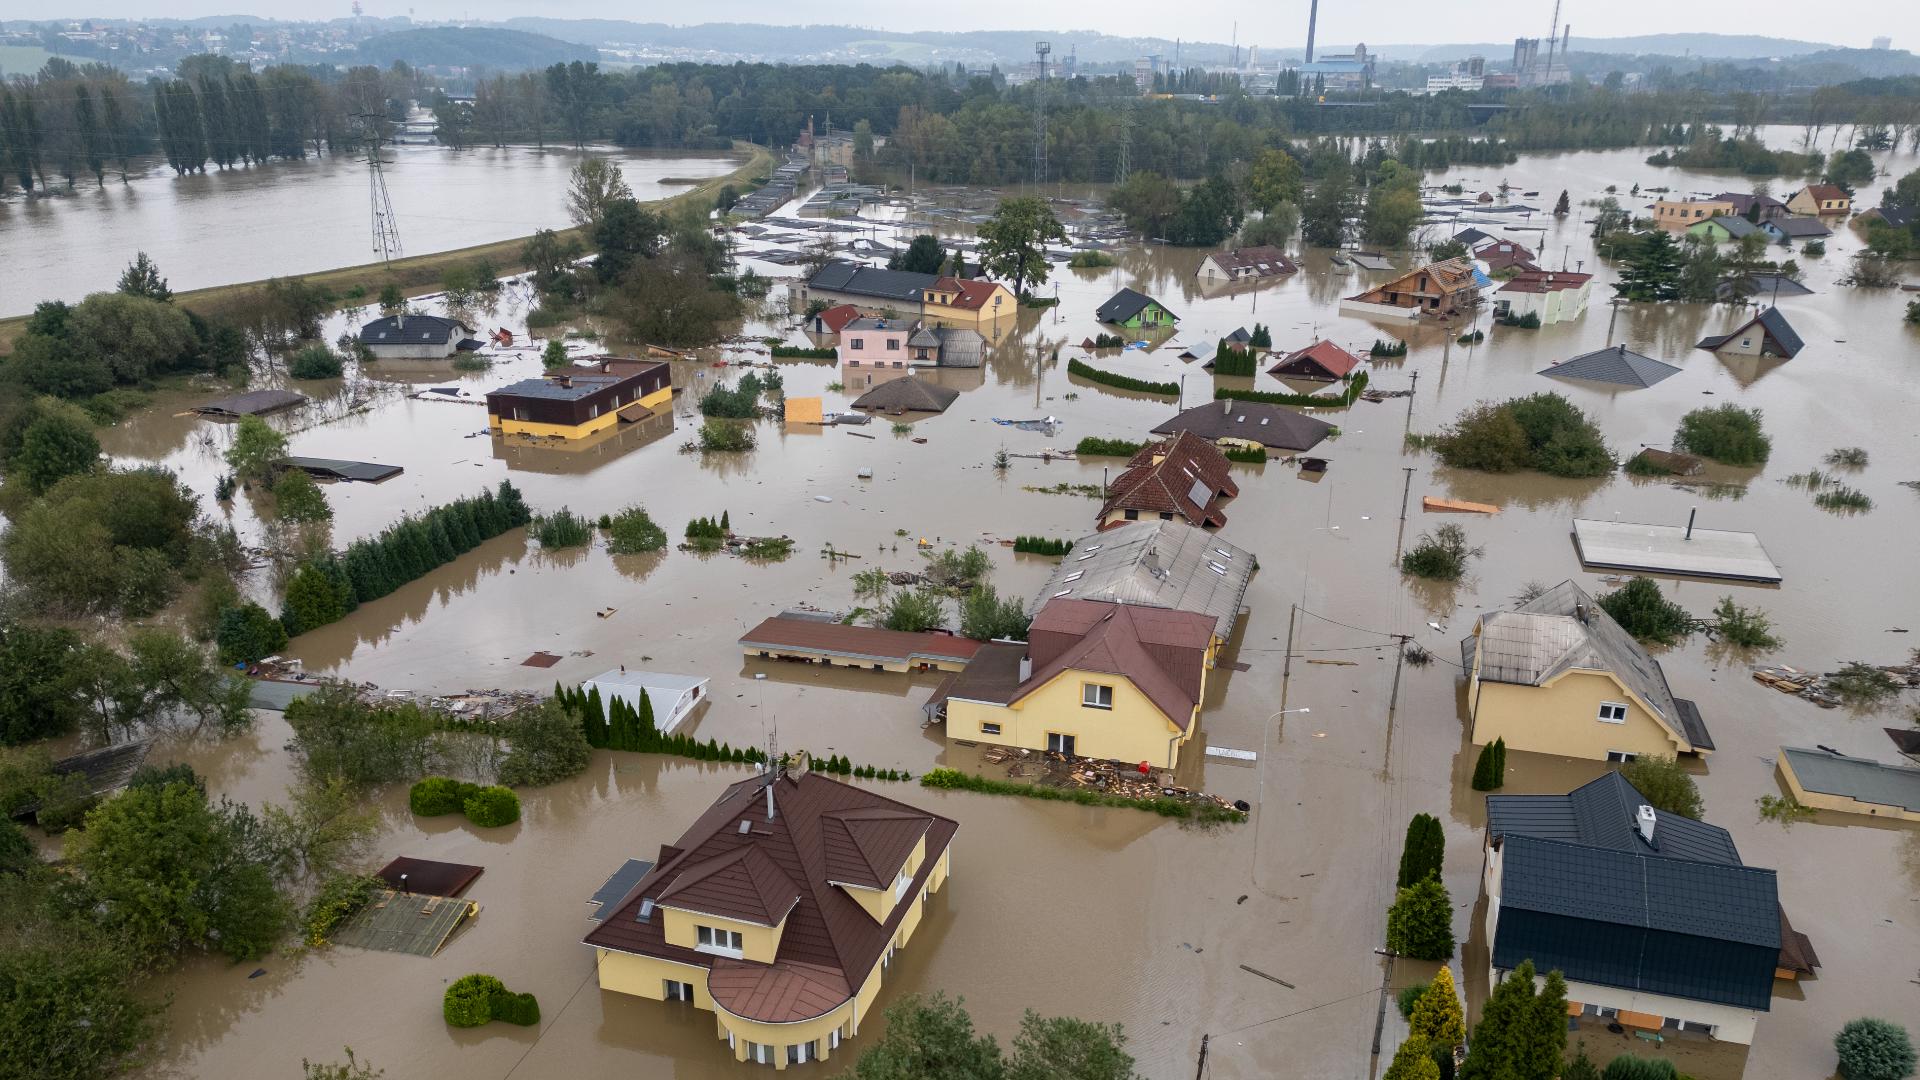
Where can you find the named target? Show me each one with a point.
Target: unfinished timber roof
(806, 840)
(1564, 630)
(1161, 564)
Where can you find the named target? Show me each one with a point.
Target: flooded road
(1158, 928)
(295, 217)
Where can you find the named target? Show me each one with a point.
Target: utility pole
(1410, 393)
(1201, 1069)
(1401, 537)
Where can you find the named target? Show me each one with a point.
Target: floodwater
(297, 217)
(1162, 918)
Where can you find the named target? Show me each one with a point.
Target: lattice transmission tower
(1040, 51)
(386, 227)
(1123, 156)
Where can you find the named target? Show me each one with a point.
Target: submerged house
(1135, 310)
(1184, 477)
(1767, 335)
(1651, 917)
(1786, 230)
(1245, 264)
(1323, 361)
(965, 302)
(577, 402)
(870, 342)
(671, 697)
(404, 336)
(1551, 295)
(1817, 199)
(1556, 675)
(1723, 228)
(1448, 287)
(779, 911)
(1248, 425)
(1851, 785)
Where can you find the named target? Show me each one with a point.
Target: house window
(900, 883)
(1096, 696)
(858, 343)
(1746, 343)
(759, 1053)
(1133, 515)
(893, 344)
(679, 991)
(1060, 744)
(1621, 757)
(800, 1053)
(1613, 712)
(593, 411)
(714, 939)
(989, 729)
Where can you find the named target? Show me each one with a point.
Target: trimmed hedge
(491, 807)
(1093, 446)
(955, 780)
(437, 795)
(1245, 455)
(473, 1000)
(1041, 545)
(1121, 382)
(1355, 387)
(797, 352)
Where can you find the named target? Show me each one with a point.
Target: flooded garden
(1105, 914)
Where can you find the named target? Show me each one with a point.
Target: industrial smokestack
(1313, 17)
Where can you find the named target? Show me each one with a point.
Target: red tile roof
(1823, 192)
(829, 941)
(1544, 281)
(858, 642)
(1500, 254)
(835, 319)
(1329, 358)
(972, 293)
(1188, 464)
(1160, 651)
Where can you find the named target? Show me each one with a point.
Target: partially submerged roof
(252, 403)
(1160, 564)
(1672, 549)
(1601, 813)
(1322, 355)
(428, 876)
(911, 394)
(340, 469)
(1184, 474)
(1860, 779)
(859, 642)
(857, 280)
(1161, 652)
(804, 410)
(618, 884)
(418, 924)
(1262, 261)
(104, 770)
(1798, 228)
(661, 683)
(1772, 323)
(563, 386)
(1564, 630)
(1619, 366)
(1544, 281)
(1124, 305)
(407, 329)
(1735, 227)
(1274, 426)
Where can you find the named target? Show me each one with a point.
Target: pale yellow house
(1685, 213)
(967, 301)
(779, 911)
(1117, 682)
(1558, 676)
(1850, 785)
(1815, 199)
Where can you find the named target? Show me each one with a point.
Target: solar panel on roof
(1198, 494)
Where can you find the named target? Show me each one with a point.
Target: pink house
(875, 343)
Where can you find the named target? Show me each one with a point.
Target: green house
(1135, 310)
(1722, 229)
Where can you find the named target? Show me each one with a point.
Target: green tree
(625, 234)
(336, 735)
(142, 278)
(1851, 169)
(863, 140)
(924, 255)
(1063, 1048)
(1275, 228)
(322, 830)
(1485, 776)
(1563, 207)
(297, 498)
(1424, 851)
(554, 355)
(1874, 1049)
(1437, 1016)
(913, 610)
(1644, 611)
(247, 633)
(1328, 206)
(1274, 178)
(546, 744)
(596, 184)
(1726, 433)
(1665, 784)
(1420, 923)
(1148, 201)
(1500, 1039)
(256, 448)
(56, 444)
(1413, 1061)
(930, 1039)
(39, 684)
(1209, 212)
(1392, 206)
(69, 1009)
(985, 617)
(1652, 270)
(1013, 242)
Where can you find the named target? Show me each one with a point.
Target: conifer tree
(1437, 1016)
(1483, 775)
(647, 726)
(1413, 1061)
(1500, 762)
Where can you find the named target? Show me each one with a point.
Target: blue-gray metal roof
(412, 330)
(1736, 227)
(1124, 305)
(1618, 365)
(1601, 813)
(1771, 322)
(551, 390)
(1855, 778)
(852, 278)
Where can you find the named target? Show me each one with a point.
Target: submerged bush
(1440, 555)
(562, 529)
(632, 531)
(1541, 431)
(719, 435)
(314, 362)
(1644, 611)
(1726, 433)
(468, 1001)
(1749, 628)
(491, 807)
(437, 795)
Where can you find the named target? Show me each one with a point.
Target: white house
(1553, 295)
(672, 696)
(404, 336)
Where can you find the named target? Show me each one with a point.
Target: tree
(1063, 1048)
(913, 610)
(39, 688)
(1324, 214)
(1392, 206)
(109, 540)
(1644, 611)
(142, 278)
(1874, 1049)
(930, 1039)
(1275, 178)
(624, 234)
(1563, 207)
(1271, 229)
(57, 444)
(555, 355)
(1013, 241)
(1424, 851)
(255, 450)
(1420, 923)
(1413, 1061)
(336, 735)
(546, 744)
(863, 141)
(68, 1003)
(1726, 433)
(1437, 1016)
(1440, 555)
(596, 184)
(985, 617)
(1664, 784)
(924, 255)
(1500, 1046)
(1652, 270)
(325, 828)
(1851, 169)
(298, 499)
(1209, 212)
(1486, 776)
(247, 633)
(632, 531)
(1148, 201)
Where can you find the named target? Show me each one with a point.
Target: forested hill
(489, 47)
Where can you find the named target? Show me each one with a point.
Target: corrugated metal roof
(1854, 778)
(1164, 564)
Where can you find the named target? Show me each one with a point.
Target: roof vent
(646, 911)
(1645, 818)
(746, 826)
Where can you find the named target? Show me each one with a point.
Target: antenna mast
(386, 228)
(1040, 51)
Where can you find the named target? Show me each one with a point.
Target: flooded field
(1107, 914)
(295, 217)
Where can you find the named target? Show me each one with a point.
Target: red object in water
(1145, 768)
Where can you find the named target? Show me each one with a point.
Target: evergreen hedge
(1346, 397)
(1122, 382)
(473, 1000)
(955, 780)
(799, 353)
(437, 795)
(1245, 455)
(1228, 360)
(1093, 446)
(1041, 545)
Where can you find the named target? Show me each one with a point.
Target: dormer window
(721, 942)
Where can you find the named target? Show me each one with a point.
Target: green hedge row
(487, 807)
(955, 780)
(1319, 401)
(617, 725)
(1246, 455)
(1123, 382)
(1093, 446)
(1228, 360)
(796, 352)
(1041, 545)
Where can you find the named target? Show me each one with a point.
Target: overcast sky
(1846, 22)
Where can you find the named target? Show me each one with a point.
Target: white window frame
(674, 988)
(1058, 743)
(799, 1053)
(1607, 708)
(720, 942)
(900, 883)
(1091, 695)
(1621, 757)
(989, 729)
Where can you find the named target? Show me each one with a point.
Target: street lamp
(1266, 740)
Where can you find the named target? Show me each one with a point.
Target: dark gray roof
(252, 403)
(341, 469)
(1897, 216)
(908, 394)
(1699, 930)
(854, 279)
(1471, 237)
(1601, 813)
(551, 390)
(1798, 227)
(1855, 778)
(1546, 636)
(1763, 285)
(618, 884)
(412, 330)
(1618, 365)
(1773, 322)
(1124, 305)
(1269, 425)
(1736, 227)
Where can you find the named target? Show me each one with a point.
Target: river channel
(1103, 914)
(222, 227)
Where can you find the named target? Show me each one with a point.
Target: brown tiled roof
(836, 318)
(829, 941)
(1264, 261)
(1544, 281)
(1169, 486)
(1796, 949)
(859, 642)
(911, 394)
(1500, 254)
(1331, 359)
(971, 294)
(992, 675)
(1824, 192)
(867, 847)
(1162, 652)
(743, 884)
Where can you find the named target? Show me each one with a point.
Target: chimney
(1645, 819)
(1580, 612)
(1226, 406)
(771, 813)
(566, 382)
(1026, 666)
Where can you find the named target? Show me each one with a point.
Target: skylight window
(1075, 576)
(1061, 593)
(1216, 568)
(1224, 553)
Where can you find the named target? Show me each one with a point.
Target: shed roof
(860, 642)
(342, 469)
(1273, 426)
(1618, 365)
(1161, 564)
(252, 403)
(408, 329)
(911, 394)
(428, 876)
(1861, 779)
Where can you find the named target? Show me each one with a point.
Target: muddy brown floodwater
(1108, 914)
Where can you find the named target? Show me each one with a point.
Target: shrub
(1093, 446)
(1471, 338)
(803, 353)
(913, 610)
(491, 807)
(1814, 248)
(1874, 1049)
(1122, 382)
(515, 1008)
(248, 632)
(1644, 611)
(339, 898)
(1408, 997)
(1665, 783)
(1245, 455)
(1843, 498)
(1440, 555)
(720, 436)
(741, 401)
(1746, 627)
(1382, 347)
(1726, 433)
(1541, 431)
(1091, 260)
(1354, 387)
(1641, 465)
(955, 780)
(631, 531)
(1862, 684)
(437, 795)
(1041, 545)
(563, 529)
(1628, 1067)
(1784, 809)
(768, 548)
(314, 362)
(1109, 341)
(1420, 923)
(469, 1000)
(1485, 776)
(1850, 457)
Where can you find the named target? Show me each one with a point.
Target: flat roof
(780, 634)
(370, 472)
(412, 923)
(1860, 779)
(1665, 549)
(428, 876)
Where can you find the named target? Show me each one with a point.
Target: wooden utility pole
(1406, 491)
(1201, 1069)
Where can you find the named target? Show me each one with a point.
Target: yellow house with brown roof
(779, 911)
(967, 301)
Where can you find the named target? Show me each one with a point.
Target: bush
(1091, 260)
(1665, 784)
(297, 498)
(1862, 684)
(955, 780)
(469, 1000)
(1122, 382)
(802, 353)
(247, 633)
(1487, 772)
(437, 795)
(1387, 348)
(1628, 1067)
(1228, 360)
(720, 436)
(1644, 611)
(1093, 446)
(1109, 341)
(1041, 545)
(491, 807)
(1409, 997)
(1726, 433)
(1440, 555)
(1245, 455)
(562, 529)
(1848, 457)
(631, 531)
(741, 401)
(314, 362)
(1874, 1049)
(1529, 321)
(1354, 387)
(1843, 498)
(913, 610)
(1424, 852)
(1814, 248)
(515, 1008)
(1746, 627)
(1541, 431)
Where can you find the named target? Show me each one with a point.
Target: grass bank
(416, 274)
